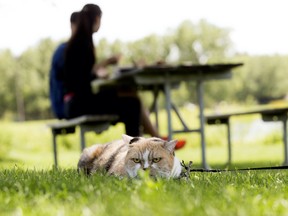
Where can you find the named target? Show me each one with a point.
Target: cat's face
(152, 154)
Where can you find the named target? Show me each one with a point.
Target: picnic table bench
(267, 114)
(86, 123)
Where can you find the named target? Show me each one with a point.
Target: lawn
(30, 185)
(65, 192)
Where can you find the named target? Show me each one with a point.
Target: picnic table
(165, 77)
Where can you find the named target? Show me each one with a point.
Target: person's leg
(107, 102)
(146, 123)
(74, 106)
(129, 110)
(148, 127)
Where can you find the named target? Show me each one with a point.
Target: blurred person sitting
(56, 88)
(81, 67)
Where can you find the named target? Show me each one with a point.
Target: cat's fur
(127, 156)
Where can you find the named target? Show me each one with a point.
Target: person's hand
(102, 73)
(113, 60)
(100, 69)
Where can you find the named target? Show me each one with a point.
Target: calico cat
(127, 156)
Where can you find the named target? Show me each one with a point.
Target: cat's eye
(136, 160)
(156, 160)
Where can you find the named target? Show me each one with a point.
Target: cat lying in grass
(127, 156)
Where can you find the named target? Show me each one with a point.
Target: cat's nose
(145, 168)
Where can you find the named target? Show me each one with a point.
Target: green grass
(65, 192)
(29, 185)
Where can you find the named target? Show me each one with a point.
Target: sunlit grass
(31, 186)
(29, 144)
(65, 192)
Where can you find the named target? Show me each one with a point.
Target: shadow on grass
(238, 165)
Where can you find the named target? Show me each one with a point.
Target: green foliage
(24, 79)
(8, 84)
(202, 43)
(261, 77)
(35, 65)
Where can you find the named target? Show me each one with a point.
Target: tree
(200, 44)
(24, 80)
(35, 65)
(261, 77)
(8, 83)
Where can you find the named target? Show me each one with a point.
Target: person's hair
(85, 22)
(87, 18)
(74, 17)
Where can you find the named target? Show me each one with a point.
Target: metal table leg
(82, 137)
(154, 106)
(229, 143)
(285, 142)
(199, 89)
(167, 89)
(54, 134)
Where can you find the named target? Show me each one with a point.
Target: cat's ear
(170, 146)
(126, 138)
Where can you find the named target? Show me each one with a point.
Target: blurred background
(177, 32)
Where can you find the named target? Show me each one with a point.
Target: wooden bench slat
(82, 120)
(266, 114)
(96, 123)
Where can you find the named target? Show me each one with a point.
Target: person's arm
(100, 69)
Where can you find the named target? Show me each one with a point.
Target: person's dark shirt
(56, 88)
(79, 61)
